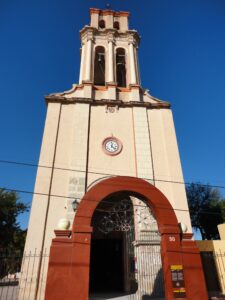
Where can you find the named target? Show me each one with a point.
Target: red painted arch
(69, 262)
(159, 204)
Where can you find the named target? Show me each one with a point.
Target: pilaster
(142, 143)
(82, 63)
(133, 75)
(88, 60)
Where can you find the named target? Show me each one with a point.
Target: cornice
(129, 34)
(65, 100)
(86, 29)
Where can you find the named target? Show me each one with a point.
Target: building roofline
(106, 12)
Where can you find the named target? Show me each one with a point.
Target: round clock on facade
(112, 146)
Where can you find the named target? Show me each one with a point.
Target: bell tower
(109, 62)
(110, 177)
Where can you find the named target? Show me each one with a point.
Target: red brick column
(171, 255)
(193, 270)
(68, 271)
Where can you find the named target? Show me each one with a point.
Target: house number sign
(172, 238)
(177, 273)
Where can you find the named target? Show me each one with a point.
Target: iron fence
(19, 274)
(214, 271)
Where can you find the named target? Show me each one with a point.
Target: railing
(21, 273)
(19, 277)
(214, 272)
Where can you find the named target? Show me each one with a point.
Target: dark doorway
(106, 265)
(111, 258)
(99, 66)
(121, 67)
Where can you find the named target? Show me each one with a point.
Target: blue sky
(182, 60)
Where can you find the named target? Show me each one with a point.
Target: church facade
(108, 207)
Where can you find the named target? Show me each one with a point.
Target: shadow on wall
(158, 288)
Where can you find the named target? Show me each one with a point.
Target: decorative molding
(122, 14)
(100, 88)
(86, 82)
(111, 108)
(135, 86)
(87, 30)
(94, 11)
(120, 103)
(111, 84)
(146, 243)
(187, 236)
(106, 12)
(63, 233)
(131, 40)
(90, 35)
(133, 37)
(111, 38)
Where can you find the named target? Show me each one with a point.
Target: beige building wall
(107, 124)
(64, 155)
(166, 160)
(142, 144)
(77, 123)
(149, 152)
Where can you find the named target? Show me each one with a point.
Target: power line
(105, 201)
(106, 174)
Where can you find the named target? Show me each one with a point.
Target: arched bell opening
(99, 66)
(101, 24)
(125, 256)
(116, 25)
(121, 67)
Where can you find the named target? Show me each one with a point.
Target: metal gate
(142, 266)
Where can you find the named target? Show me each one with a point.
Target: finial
(108, 6)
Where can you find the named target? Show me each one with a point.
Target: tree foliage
(206, 209)
(11, 235)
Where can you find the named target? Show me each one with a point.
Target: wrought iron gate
(143, 276)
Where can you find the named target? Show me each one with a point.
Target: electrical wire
(106, 174)
(97, 173)
(136, 205)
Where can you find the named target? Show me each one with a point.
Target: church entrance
(125, 261)
(106, 272)
(110, 222)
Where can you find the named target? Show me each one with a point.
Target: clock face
(112, 146)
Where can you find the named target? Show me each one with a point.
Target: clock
(111, 146)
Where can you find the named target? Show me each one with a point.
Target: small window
(116, 25)
(99, 66)
(120, 67)
(101, 24)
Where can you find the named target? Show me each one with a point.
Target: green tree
(206, 209)
(11, 235)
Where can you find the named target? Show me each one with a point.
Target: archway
(121, 67)
(99, 65)
(69, 265)
(160, 205)
(125, 258)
